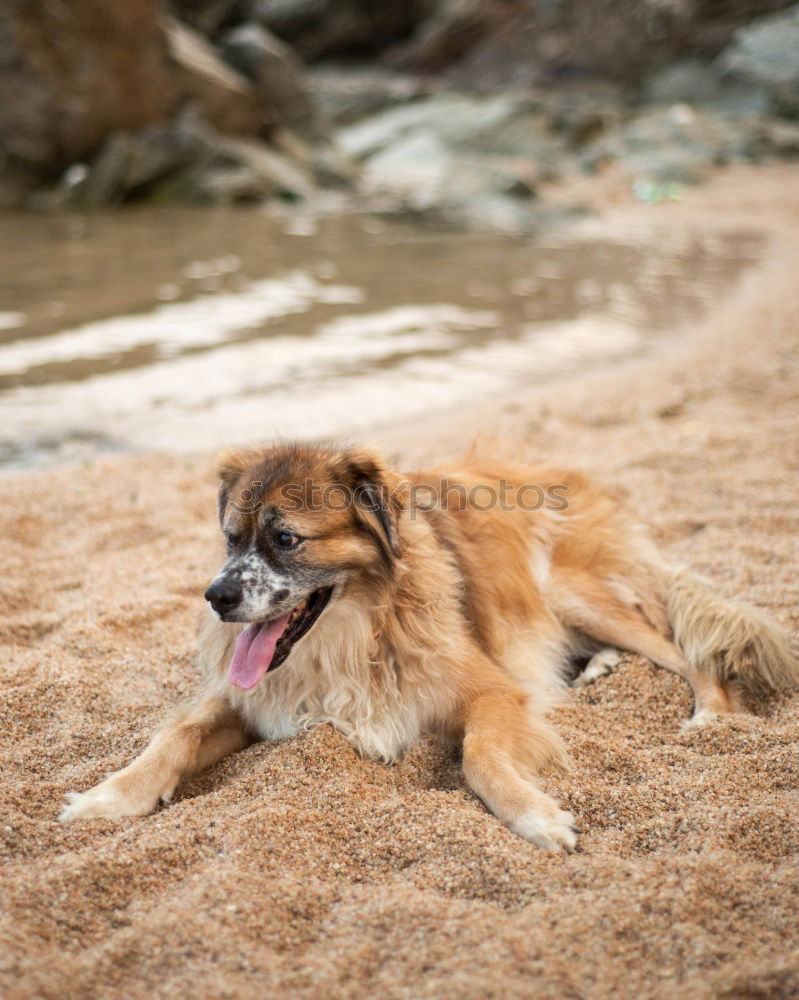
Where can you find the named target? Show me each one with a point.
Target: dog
(448, 602)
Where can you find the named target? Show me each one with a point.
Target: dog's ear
(229, 467)
(378, 498)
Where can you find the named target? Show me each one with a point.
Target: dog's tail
(728, 639)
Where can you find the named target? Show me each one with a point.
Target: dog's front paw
(113, 798)
(552, 832)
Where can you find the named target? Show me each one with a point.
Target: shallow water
(186, 329)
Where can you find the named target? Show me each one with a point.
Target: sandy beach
(297, 869)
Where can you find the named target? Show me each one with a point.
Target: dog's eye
(285, 540)
(232, 540)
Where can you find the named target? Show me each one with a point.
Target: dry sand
(299, 870)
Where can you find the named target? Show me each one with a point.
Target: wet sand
(299, 870)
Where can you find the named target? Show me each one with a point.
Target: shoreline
(496, 318)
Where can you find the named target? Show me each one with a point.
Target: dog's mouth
(263, 646)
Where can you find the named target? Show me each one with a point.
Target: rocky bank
(461, 110)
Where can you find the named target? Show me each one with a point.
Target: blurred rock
(702, 83)
(324, 28)
(766, 53)
(679, 144)
(330, 168)
(496, 43)
(481, 159)
(277, 174)
(130, 163)
(208, 16)
(454, 119)
(578, 115)
(538, 42)
(453, 28)
(472, 160)
(105, 182)
(227, 100)
(416, 165)
(121, 105)
(780, 139)
(276, 73)
(324, 161)
(185, 160)
(767, 50)
(70, 75)
(529, 129)
(344, 95)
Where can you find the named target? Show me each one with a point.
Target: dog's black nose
(223, 596)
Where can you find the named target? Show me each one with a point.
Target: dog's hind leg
(195, 738)
(603, 617)
(601, 664)
(504, 747)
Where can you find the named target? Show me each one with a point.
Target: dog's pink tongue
(254, 652)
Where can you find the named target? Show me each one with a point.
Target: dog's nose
(223, 596)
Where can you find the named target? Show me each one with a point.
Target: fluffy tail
(728, 639)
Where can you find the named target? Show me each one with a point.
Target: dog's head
(301, 523)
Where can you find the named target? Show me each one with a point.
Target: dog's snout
(223, 596)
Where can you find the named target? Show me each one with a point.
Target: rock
(345, 95)
(417, 165)
(458, 157)
(116, 120)
(669, 166)
(239, 170)
(276, 73)
(330, 168)
(489, 44)
(226, 99)
(692, 81)
(458, 120)
(208, 16)
(289, 18)
(680, 143)
(130, 163)
(767, 50)
(186, 160)
(105, 181)
(163, 149)
(235, 170)
(276, 172)
(766, 53)
(223, 186)
(325, 28)
(509, 134)
(324, 161)
(780, 139)
(453, 28)
(69, 76)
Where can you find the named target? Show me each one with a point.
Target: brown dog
(448, 602)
